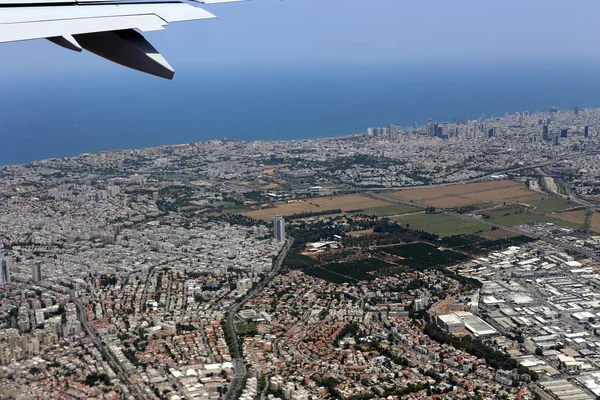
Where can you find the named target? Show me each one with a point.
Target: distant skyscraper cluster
(279, 225)
(485, 127)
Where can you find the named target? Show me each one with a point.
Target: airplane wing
(108, 28)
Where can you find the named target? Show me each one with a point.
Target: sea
(57, 116)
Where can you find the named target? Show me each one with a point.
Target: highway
(238, 361)
(111, 359)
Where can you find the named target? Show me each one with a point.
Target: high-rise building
(4, 268)
(445, 128)
(556, 141)
(36, 272)
(392, 132)
(279, 224)
(586, 131)
(553, 110)
(576, 110)
(492, 133)
(564, 133)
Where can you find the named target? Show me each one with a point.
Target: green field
(387, 210)
(515, 216)
(441, 224)
(247, 329)
(549, 204)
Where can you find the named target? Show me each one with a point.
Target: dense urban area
(450, 260)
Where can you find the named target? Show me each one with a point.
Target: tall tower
(279, 224)
(36, 272)
(4, 268)
(576, 110)
(392, 132)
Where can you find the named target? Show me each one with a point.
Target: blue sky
(321, 33)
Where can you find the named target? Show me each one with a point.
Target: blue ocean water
(68, 115)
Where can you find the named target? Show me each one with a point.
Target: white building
(279, 224)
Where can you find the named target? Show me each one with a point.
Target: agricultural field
(351, 271)
(445, 225)
(576, 217)
(499, 198)
(464, 194)
(491, 193)
(595, 223)
(350, 202)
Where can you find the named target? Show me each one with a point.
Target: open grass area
(441, 224)
(387, 210)
(514, 216)
(546, 204)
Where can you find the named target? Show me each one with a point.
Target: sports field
(350, 202)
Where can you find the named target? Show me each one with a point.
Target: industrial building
(463, 321)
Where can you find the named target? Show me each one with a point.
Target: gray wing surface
(107, 28)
